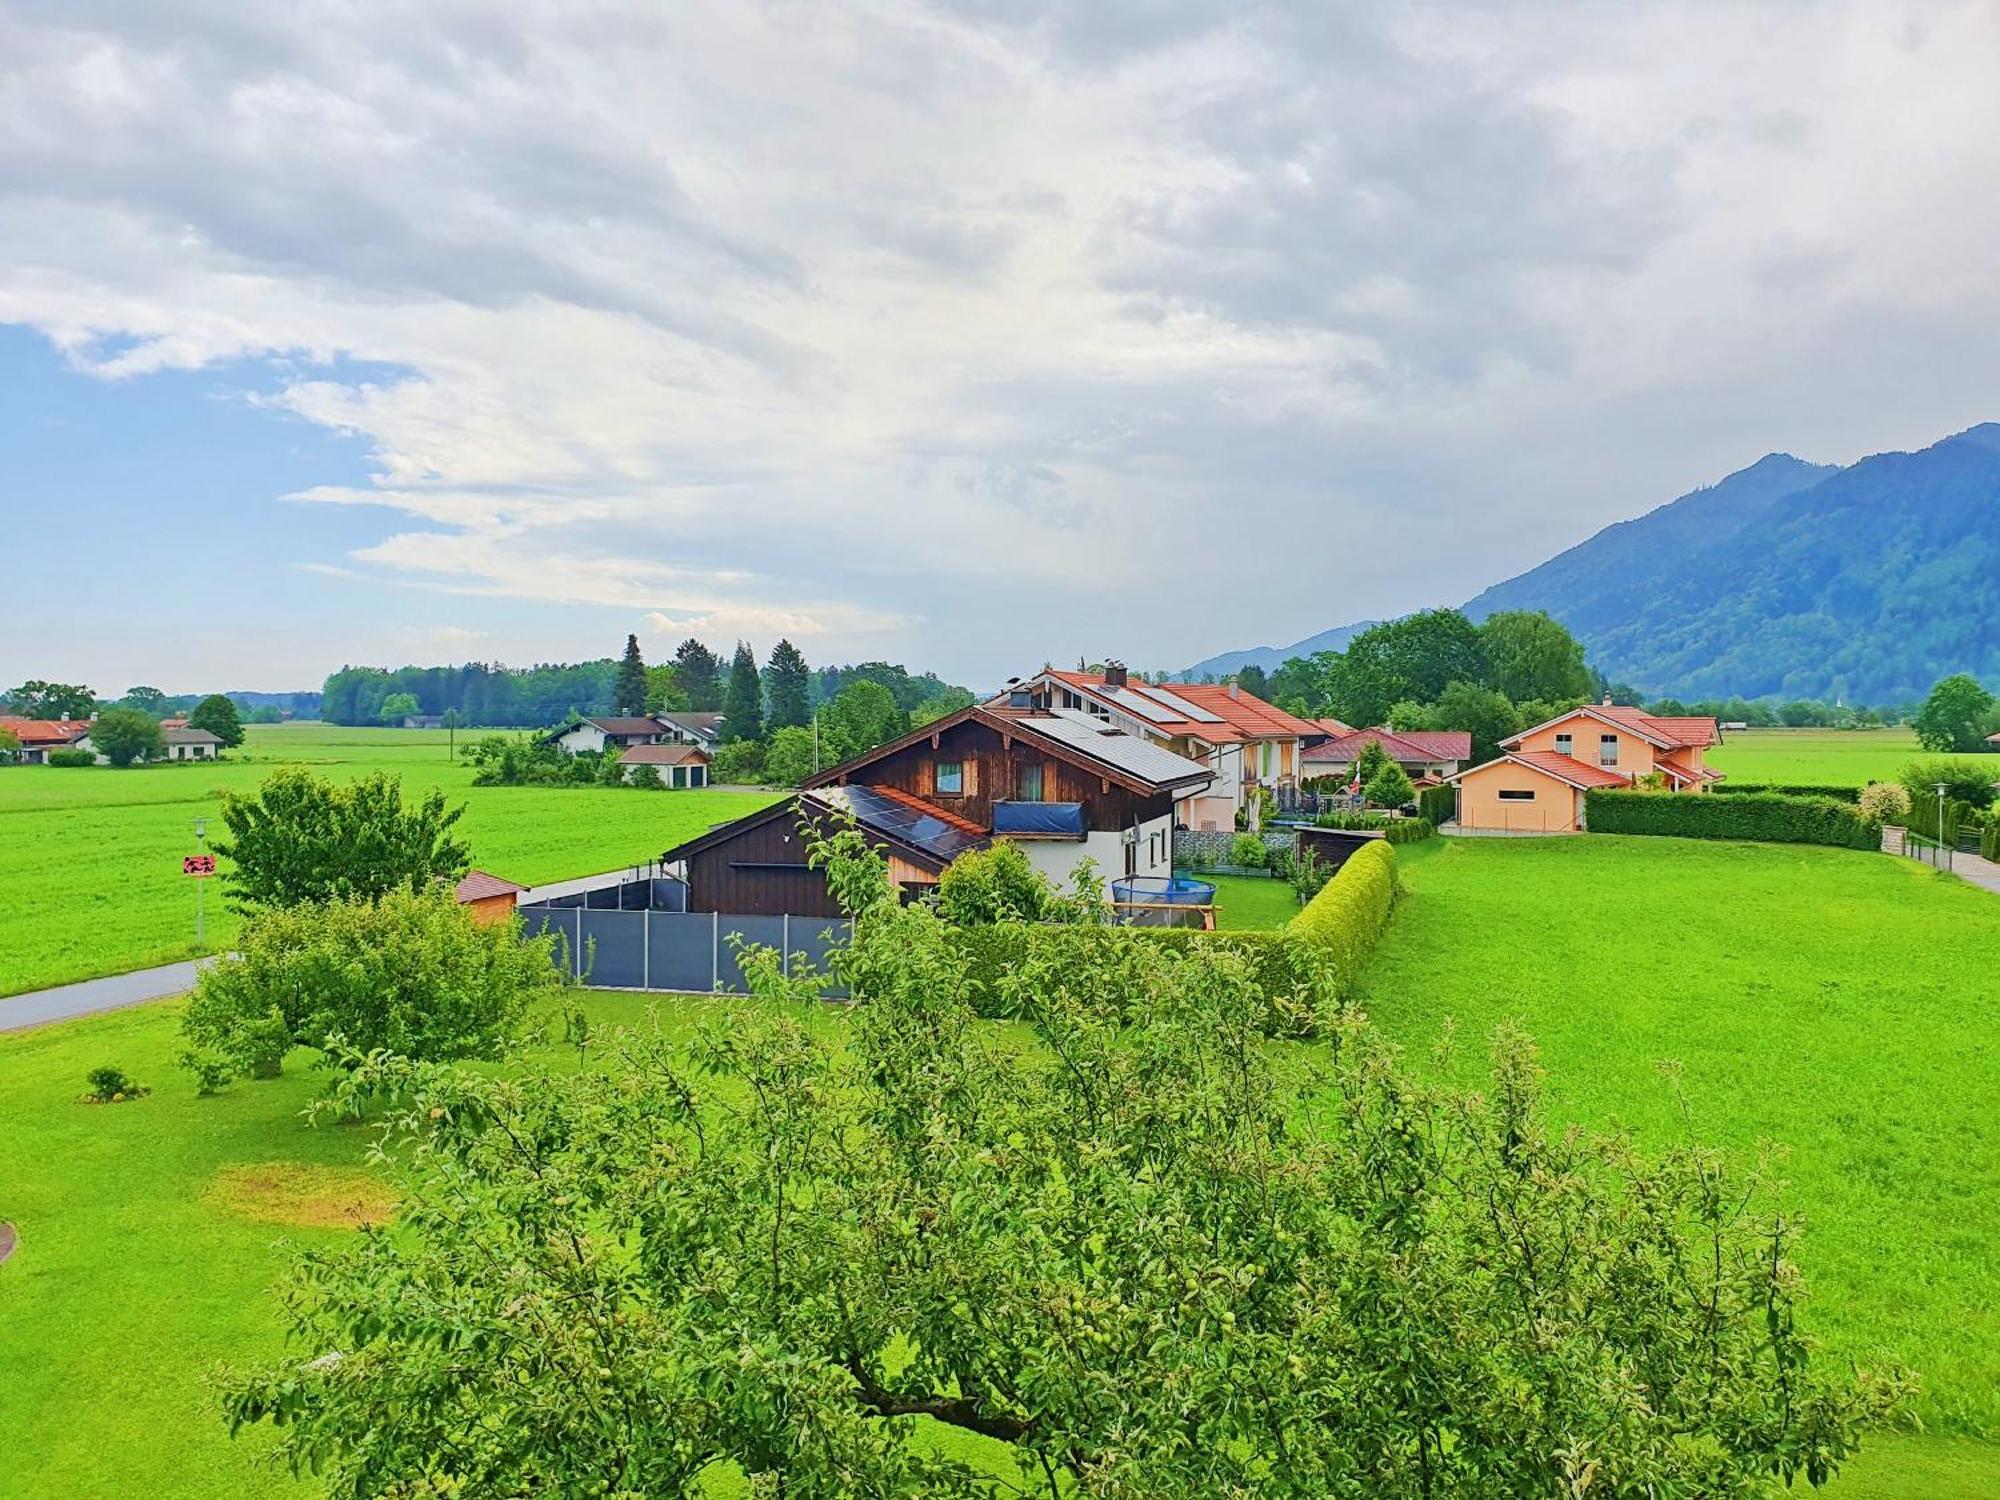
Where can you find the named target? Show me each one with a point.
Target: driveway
(114, 992)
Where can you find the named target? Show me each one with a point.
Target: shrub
(1389, 787)
(737, 762)
(1965, 779)
(1438, 804)
(646, 778)
(412, 973)
(994, 884)
(1767, 818)
(1884, 802)
(1840, 792)
(1309, 876)
(1345, 920)
(1922, 818)
(1246, 852)
(1989, 840)
(71, 758)
(109, 1085)
(212, 1071)
(1395, 830)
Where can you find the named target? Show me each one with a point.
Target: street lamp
(1942, 788)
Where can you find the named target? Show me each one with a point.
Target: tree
(1251, 680)
(628, 689)
(740, 762)
(411, 972)
(789, 757)
(1529, 654)
(1371, 762)
(147, 700)
(124, 736)
(1483, 713)
(773, 1247)
(398, 707)
(700, 672)
(303, 839)
(1954, 716)
(1389, 787)
(743, 703)
(217, 714)
(35, 699)
(788, 682)
(863, 716)
(940, 705)
(663, 690)
(9, 746)
(1415, 657)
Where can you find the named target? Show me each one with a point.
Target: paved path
(1979, 871)
(38, 1007)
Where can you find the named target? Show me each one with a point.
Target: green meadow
(1815, 757)
(90, 858)
(1828, 1003)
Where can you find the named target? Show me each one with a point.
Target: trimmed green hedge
(1787, 789)
(1393, 830)
(1335, 932)
(1767, 817)
(1438, 804)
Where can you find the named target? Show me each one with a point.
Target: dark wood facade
(760, 871)
(992, 766)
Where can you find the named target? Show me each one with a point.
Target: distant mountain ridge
(1865, 583)
(1270, 658)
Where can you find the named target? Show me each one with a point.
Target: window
(1514, 796)
(1565, 745)
(1607, 749)
(1028, 784)
(948, 780)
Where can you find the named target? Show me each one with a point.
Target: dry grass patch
(304, 1195)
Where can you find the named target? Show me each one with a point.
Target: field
(90, 879)
(1824, 757)
(142, 1265)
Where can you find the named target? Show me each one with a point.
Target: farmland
(1826, 757)
(90, 858)
(145, 1267)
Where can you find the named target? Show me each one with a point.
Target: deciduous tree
(1530, 654)
(148, 700)
(1954, 716)
(124, 736)
(1415, 657)
(862, 716)
(36, 699)
(217, 714)
(398, 707)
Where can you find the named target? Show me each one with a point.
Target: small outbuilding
(190, 744)
(491, 898)
(679, 766)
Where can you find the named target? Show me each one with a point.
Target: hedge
(1989, 840)
(1788, 789)
(1334, 933)
(1393, 830)
(1768, 817)
(70, 758)
(1438, 804)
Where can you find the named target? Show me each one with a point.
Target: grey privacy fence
(676, 950)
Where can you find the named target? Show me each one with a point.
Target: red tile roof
(1677, 732)
(1567, 768)
(1415, 746)
(45, 731)
(661, 755)
(479, 886)
(911, 800)
(1244, 716)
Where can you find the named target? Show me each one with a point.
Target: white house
(598, 733)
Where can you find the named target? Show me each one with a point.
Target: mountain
(1270, 658)
(1787, 578)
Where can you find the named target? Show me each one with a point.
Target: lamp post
(1942, 788)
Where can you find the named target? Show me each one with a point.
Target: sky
(970, 336)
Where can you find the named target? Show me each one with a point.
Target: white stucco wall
(1058, 858)
(583, 737)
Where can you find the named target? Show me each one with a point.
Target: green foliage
(109, 1085)
(788, 687)
(994, 884)
(1394, 830)
(398, 706)
(1989, 840)
(664, 693)
(412, 973)
(1251, 680)
(36, 699)
(1968, 780)
(1247, 852)
(1348, 916)
(861, 716)
(1437, 805)
(124, 736)
(738, 763)
(1487, 714)
(743, 699)
(1529, 654)
(217, 714)
(1839, 791)
(69, 757)
(946, 701)
(302, 839)
(1389, 787)
(628, 688)
(9, 746)
(519, 760)
(1883, 802)
(1955, 716)
(1308, 877)
(789, 756)
(1371, 762)
(700, 672)
(1766, 817)
(1415, 657)
(645, 778)
(148, 700)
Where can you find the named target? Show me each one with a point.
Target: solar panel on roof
(1128, 752)
(1156, 713)
(899, 821)
(1181, 705)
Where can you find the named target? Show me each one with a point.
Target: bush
(1965, 780)
(736, 763)
(1884, 802)
(1395, 830)
(1840, 793)
(1989, 840)
(70, 758)
(1922, 818)
(1247, 852)
(1437, 804)
(109, 1085)
(994, 884)
(1345, 920)
(412, 973)
(1767, 818)
(1389, 787)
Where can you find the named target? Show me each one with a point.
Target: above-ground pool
(1154, 900)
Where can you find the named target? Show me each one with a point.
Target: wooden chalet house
(1062, 785)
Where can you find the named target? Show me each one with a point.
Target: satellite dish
(9, 1241)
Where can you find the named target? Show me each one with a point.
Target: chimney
(1235, 691)
(1114, 674)
(1607, 701)
(65, 717)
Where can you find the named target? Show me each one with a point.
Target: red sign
(201, 866)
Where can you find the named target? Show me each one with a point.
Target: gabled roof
(1222, 713)
(182, 735)
(616, 724)
(661, 755)
(1125, 759)
(1672, 733)
(45, 731)
(926, 836)
(478, 885)
(1564, 768)
(1334, 727)
(706, 725)
(1413, 746)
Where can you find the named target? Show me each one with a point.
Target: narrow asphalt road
(39, 1007)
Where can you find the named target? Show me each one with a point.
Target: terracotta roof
(662, 755)
(1675, 733)
(45, 731)
(1567, 768)
(1416, 746)
(917, 804)
(1334, 727)
(173, 723)
(1243, 716)
(478, 886)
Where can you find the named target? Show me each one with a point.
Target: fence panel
(816, 937)
(670, 950)
(683, 956)
(765, 932)
(615, 948)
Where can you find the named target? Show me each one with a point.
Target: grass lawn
(1835, 1002)
(1243, 901)
(90, 879)
(1824, 757)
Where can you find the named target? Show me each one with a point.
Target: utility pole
(201, 841)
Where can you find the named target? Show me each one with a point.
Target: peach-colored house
(1538, 783)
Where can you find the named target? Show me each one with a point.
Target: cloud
(964, 331)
